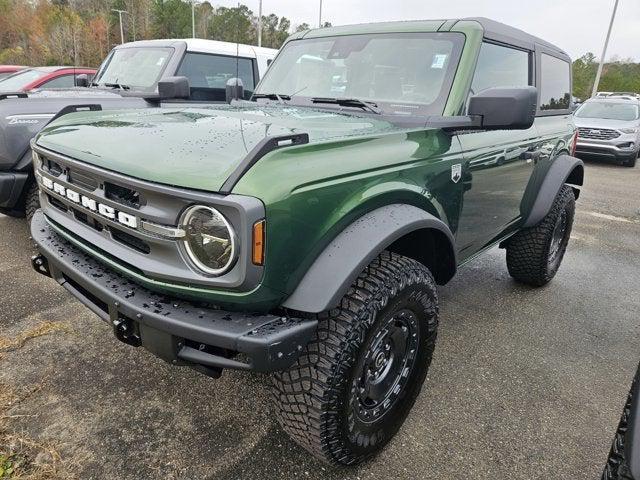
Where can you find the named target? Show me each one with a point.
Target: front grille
(122, 195)
(130, 241)
(82, 180)
(87, 220)
(598, 133)
(57, 203)
(52, 167)
(108, 212)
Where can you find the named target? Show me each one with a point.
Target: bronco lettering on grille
(85, 202)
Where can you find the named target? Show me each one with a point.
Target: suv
(45, 78)
(303, 233)
(609, 127)
(141, 74)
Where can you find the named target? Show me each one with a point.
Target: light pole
(604, 51)
(193, 18)
(120, 12)
(260, 24)
(320, 16)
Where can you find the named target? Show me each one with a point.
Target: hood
(195, 148)
(604, 123)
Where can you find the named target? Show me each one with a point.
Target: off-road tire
(617, 467)
(530, 258)
(316, 399)
(31, 201)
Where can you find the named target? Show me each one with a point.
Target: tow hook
(126, 331)
(41, 265)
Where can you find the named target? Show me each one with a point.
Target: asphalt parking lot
(525, 383)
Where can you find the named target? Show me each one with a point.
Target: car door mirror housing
(234, 90)
(82, 80)
(505, 108)
(173, 87)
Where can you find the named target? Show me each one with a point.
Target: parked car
(303, 233)
(6, 70)
(623, 462)
(128, 78)
(44, 77)
(609, 128)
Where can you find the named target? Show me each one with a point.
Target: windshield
(610, 111)
(137, 68)
(403, 73)
(20, 80)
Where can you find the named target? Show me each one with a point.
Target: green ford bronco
(303, 233)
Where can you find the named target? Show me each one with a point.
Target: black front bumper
(179, 331)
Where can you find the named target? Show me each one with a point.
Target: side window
(63, 81)
(208, 75)
(500, 66)
(555, 81)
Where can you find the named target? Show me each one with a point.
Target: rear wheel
(354, 385)
(534, 254)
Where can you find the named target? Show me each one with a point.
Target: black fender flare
(340, 263)
(564, 169)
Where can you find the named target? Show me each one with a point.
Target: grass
(44, 328)
(22, 457)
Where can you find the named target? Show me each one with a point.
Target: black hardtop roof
(493, 31)
(503, 33)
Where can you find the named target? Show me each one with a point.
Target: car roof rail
(4, 96)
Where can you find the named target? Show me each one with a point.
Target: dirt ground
(525, 383)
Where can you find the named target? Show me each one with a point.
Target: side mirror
(82, 80)
(505, 108)
(173, 87)
(234, 90)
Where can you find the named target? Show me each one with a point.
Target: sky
(576, 26)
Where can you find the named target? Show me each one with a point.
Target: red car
(44, 77)
(6, 70)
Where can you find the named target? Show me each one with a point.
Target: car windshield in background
(402, 73)
(20, 80)
(610, 111)
(133, 68)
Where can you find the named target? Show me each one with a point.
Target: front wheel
(354, 385)
(534, 254)
(32, 201)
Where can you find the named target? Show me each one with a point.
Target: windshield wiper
(281, 97)
(349, 102)
(117, 85)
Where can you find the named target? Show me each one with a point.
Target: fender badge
(456, 172)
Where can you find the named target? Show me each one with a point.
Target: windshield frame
(637, 105)
(134, 88)
(458, 41)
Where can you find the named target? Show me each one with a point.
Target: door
(497, 164)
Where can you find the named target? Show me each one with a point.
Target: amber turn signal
(258, 242)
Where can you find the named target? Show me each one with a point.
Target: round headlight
(209, 239)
